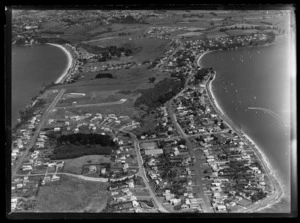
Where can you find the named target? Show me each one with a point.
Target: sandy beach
(278, 194)
(201, 55)
(69, 65)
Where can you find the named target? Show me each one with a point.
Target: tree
(177, 207)
(152, 79)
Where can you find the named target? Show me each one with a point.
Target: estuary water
(33, 66)
(260, 78)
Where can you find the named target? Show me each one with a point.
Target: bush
(159, 94)
(66, 152)
(104, 75)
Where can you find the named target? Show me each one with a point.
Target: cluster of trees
(113, 51)
(104, 75)
(57, 40)
(258, 196)
(27, 114)
(147, 202)
(201, 74)
(129, 20)
(106, 52)
(236, 27)
(70, 152)
(124, 34)
(86, 139)
(152, 79)
(159, 94)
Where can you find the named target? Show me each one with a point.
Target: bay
(258, 77)
(33, 66)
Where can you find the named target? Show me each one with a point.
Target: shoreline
(275, 182)
(69, 64)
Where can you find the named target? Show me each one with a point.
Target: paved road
(34, 137)
(198, 163)
(94, 179)
(142, 173)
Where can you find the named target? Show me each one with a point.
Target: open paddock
(126, 79)
(235, 32)
(212, 35)
(146, 48)
(71, 194)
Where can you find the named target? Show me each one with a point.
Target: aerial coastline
(277, 185)
(136, 118)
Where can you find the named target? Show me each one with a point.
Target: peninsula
(132, 124)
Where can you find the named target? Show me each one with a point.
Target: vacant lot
(71, 194)
(75, 165)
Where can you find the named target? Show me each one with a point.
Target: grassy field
(212, 35)
(125, 109)
(71, 194)
(93, 97)
(235, 32)
(75, 165)
(126, 79)
(146, 49)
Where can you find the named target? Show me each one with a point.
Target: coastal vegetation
(104, 75)
(25, 115)
(86, 139)
(162, 92)
(76, 145)
(106, 52)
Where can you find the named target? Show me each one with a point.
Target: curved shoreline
(276, 185)
(69, 65)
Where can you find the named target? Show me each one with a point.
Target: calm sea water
(258, 77)
(32, 66)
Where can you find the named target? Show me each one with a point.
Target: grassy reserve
(71, 194)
